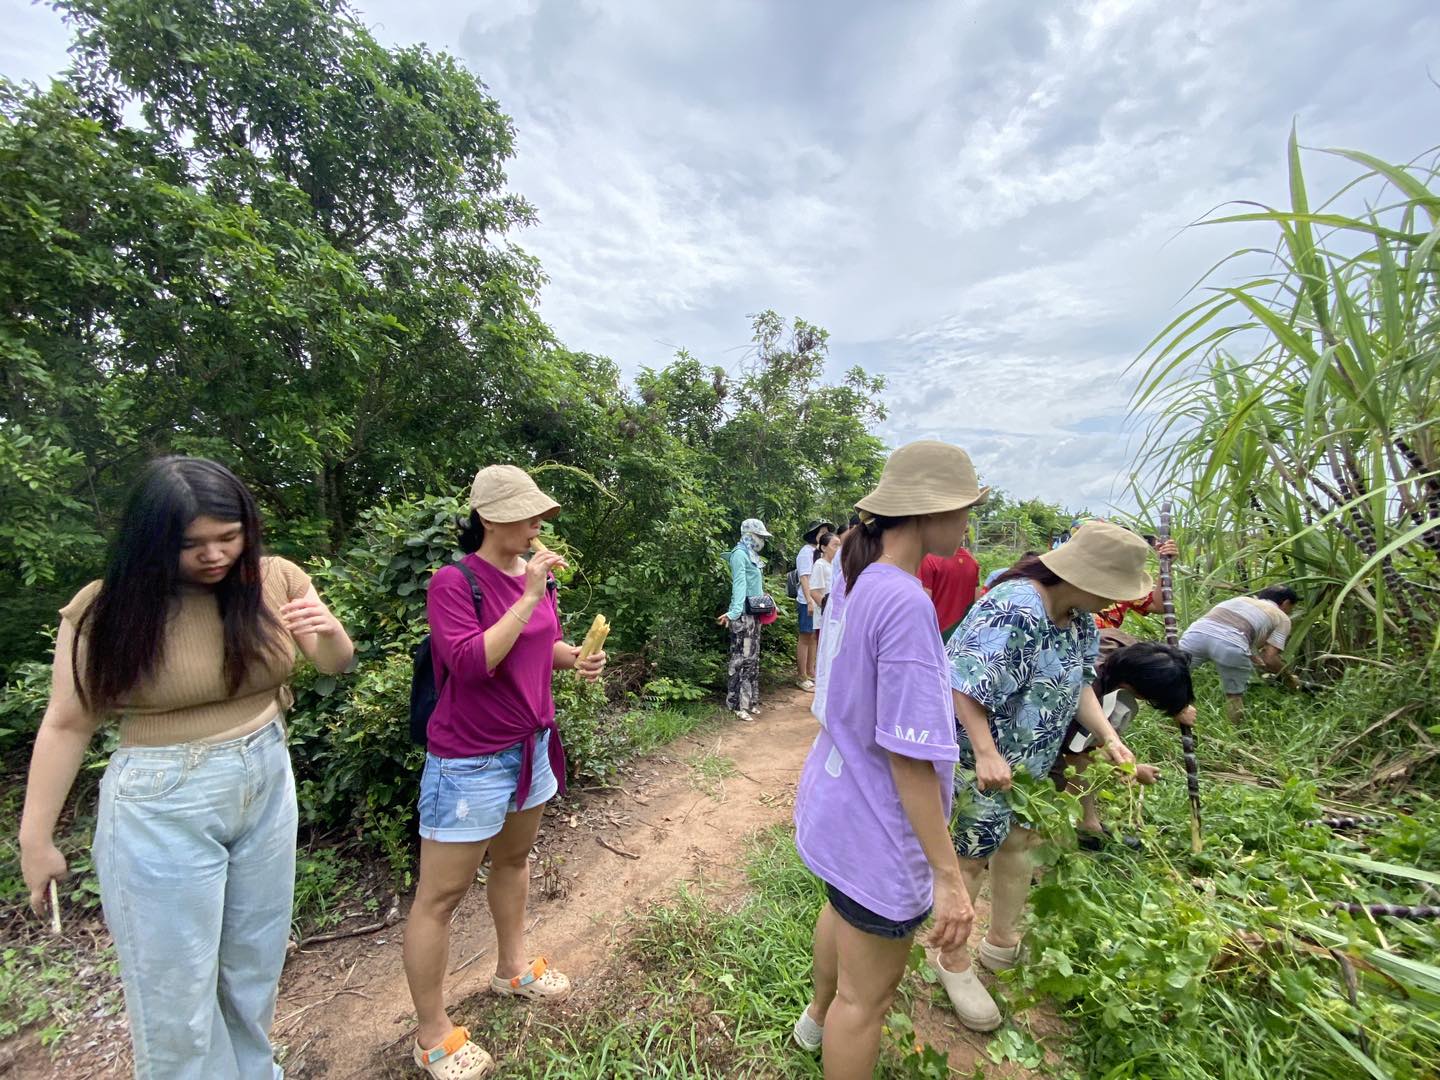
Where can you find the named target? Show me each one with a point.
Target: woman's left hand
(309, 615)
(592, 667)
(1167, 549)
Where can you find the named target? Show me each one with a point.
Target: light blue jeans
(195, 848)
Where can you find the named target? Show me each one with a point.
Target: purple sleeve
(914, 713)
(456, 637)
(554, 601)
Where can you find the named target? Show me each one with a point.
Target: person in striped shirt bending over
(1242, 633)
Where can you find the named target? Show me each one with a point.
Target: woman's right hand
(992, 772)
(40, 866)
(724, 620)
(954, 913)
(537, 573)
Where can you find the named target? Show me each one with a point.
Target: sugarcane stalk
(1187, 732)
(1390, 911)
(1358, 821)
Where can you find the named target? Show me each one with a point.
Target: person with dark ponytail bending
(493, 755)
(189, 640)
(873, 807)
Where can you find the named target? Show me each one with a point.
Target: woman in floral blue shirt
(1021, 667)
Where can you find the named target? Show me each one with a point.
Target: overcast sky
(985, 201)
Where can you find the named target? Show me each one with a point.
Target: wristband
(522, 622)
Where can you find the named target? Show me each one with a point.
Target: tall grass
(1296, 409)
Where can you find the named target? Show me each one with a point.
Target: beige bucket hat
(1104, 559)
(506, 493)
(925, 477)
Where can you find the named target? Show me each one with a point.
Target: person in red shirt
(952, 584)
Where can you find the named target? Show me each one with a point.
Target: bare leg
(509, 887)
(826, 964)
(958, 958)
(870, 968)
(1011, 868)
(1091, 821)
(446, 873)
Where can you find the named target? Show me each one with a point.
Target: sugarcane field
(638, 541)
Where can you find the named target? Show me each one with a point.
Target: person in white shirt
(822, 575)
(1240, 634)
(807, 611)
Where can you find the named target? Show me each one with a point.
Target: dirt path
(672, 809)
(345, 1011)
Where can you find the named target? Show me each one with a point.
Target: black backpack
(792, 584)
(424, 690)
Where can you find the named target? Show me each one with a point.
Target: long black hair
(1160, 674)
(125, 625)
(1029, 567)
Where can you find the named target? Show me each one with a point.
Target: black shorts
(862, 918)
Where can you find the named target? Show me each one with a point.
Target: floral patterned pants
(742, 684)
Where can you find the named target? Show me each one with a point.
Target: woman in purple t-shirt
(493, 755)
(873, 807)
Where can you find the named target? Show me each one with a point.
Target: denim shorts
(807, 623)
(464, 800)
(862, 918)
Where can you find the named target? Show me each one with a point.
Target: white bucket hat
(1104, 559)
(754, 527)
(506, 493)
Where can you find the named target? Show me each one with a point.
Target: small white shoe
(741, 714)
(995, 958)
(972, 1002)
(808, 1034)
(808, 685)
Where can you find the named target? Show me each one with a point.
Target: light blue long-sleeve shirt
(745, 580)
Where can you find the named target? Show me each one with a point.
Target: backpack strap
(476, 596)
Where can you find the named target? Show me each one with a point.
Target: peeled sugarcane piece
(1392, 911)
(538, 547)
(54, 909)
(595, 639)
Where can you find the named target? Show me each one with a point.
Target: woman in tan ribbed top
(189, 640)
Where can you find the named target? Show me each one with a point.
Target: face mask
(754, 543)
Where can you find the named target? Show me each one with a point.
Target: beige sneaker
(972, 1002)
(995, 958)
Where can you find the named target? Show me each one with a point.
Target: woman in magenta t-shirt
(873, 808)
(493, 756)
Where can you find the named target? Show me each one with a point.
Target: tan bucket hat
(506, 493)
(1104, 559)
(925, 477)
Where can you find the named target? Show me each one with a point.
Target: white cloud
(984, 201)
